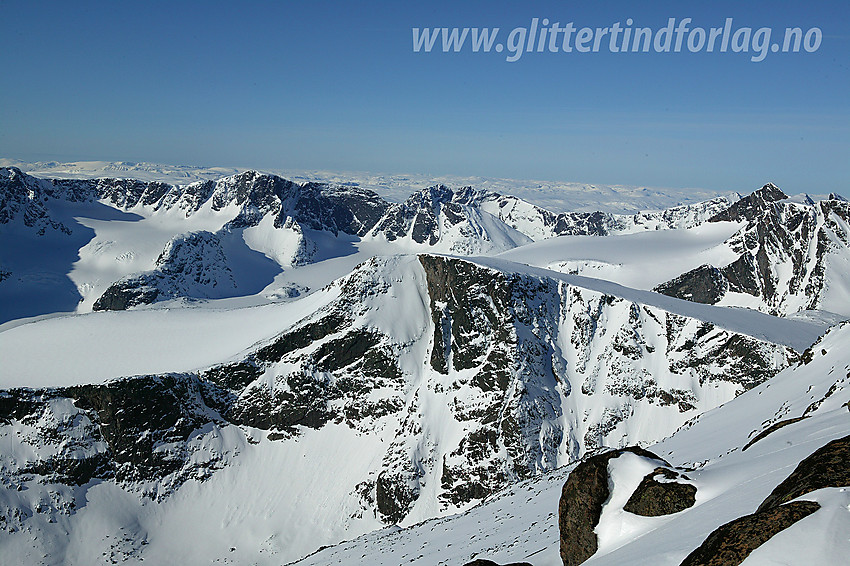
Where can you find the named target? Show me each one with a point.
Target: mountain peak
(751, 206)
(770, 193)
(434, 194)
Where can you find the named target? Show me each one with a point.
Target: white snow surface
(95, 347)
(641, 260)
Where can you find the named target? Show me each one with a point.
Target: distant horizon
(555, 195)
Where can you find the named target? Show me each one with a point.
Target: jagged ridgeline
(240, 231)
(791, 256)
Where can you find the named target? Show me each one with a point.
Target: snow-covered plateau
(222, 366)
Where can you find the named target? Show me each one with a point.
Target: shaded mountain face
(191, 265)
(489, 378)
(791, 257)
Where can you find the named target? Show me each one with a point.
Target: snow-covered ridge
(798, 334)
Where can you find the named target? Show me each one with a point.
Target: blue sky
(337, 86)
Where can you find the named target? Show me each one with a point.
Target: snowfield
(212, 365)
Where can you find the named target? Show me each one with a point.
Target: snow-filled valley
(243, 369)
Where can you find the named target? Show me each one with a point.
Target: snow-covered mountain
(557, 196)
(738, 457)
(791, 257)
(277, 365)
(265, 224)
(445, 412)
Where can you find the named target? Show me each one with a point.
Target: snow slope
(520, 523)
(187, 339)
(641, 260)
(123, 343)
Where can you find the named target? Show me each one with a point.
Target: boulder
(654, 498)
(582, 498)
(731, 543)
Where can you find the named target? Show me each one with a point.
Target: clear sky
(337, 86)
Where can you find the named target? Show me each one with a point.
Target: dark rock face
(482, 320)
(771, 429)
(654, 498)
(731, 543)
(132, 429)
(828, 466)
(751, 206)
(418, 215)
(121, 295)
(357, 361)
(469, 303)
(584, 224)
(23, 196)
(137, 416)
(395, 494)
(580, 507)
(705, 284)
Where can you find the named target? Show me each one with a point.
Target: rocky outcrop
(705, 284)
(128, 293)
(771, 429)
(191, 265)
(731, 543)
(23, 197)
(585, 492)
(784, 252)
(751, 206)
(659, 493)
(829, 466)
